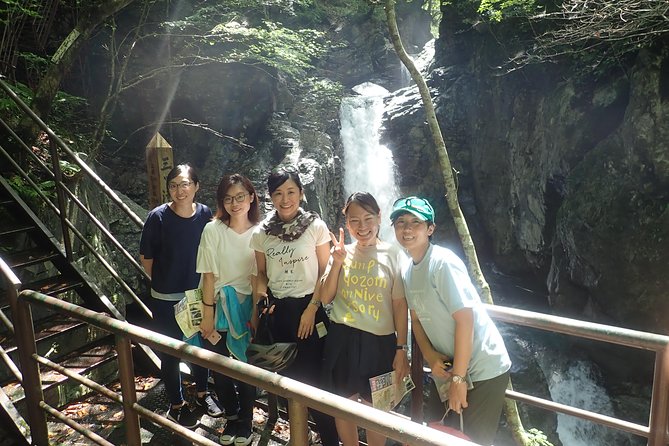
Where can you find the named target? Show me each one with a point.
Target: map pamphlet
(188, 312)
(388, 391)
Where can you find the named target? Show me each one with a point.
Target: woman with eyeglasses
(228, 266)
(292, 247)
(369, 317)
(168, 251)
(456, 336)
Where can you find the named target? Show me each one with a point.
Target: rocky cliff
(563, 172)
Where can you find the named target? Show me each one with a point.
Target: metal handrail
(302, 395)
(64, 147)
(656, 431)
(299, 395)
(62, 190)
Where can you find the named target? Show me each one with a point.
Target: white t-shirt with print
(292, 267)
(227, 255)
(368, 282)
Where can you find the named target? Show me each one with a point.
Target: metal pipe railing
(656, 431)
(302, 396)
(299, 395)
(73, 156)
(56, 144)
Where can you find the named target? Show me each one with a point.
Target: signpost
(159, 162)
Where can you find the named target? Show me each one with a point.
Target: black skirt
(353, 356)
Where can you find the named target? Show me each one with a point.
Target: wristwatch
(457, 379)
(402, 347)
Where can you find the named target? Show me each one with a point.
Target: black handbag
(263, 351)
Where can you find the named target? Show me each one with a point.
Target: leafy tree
(91, 15)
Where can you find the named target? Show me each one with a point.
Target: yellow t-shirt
(368, 282)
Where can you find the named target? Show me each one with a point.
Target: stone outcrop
(562, 172)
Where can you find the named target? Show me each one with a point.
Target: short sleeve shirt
(171, 242)
(227, 255)
(368, 282)
(292, 267)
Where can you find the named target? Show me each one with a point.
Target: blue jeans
(165, 323)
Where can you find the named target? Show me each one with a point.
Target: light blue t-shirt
(436, 288)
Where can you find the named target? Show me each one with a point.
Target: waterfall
(368, 165)
(576, 383)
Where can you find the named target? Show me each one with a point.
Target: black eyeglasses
(238, 198)
(183, 185)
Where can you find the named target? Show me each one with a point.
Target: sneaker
(229, 433)
(231, 417)
(244, 434)
(183, 415)
(210, 405)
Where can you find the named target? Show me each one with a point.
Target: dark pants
(165, 323)
(485, 404)
(308, 363)
(237, 397)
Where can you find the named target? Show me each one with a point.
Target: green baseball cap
(419, 207)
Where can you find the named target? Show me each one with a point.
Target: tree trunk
(62, 61)
(522, 437)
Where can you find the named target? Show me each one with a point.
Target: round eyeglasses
(183, 185)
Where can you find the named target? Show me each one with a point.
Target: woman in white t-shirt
(227, 264)
(369, 317)
(292, 247)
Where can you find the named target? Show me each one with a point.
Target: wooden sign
(159, 162)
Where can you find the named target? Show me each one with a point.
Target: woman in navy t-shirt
(168, 252)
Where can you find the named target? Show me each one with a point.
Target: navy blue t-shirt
(172, 242)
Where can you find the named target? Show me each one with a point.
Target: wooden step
(16, 229)
(55, 338)
(27, 257)
(97, 363)
(53, 286)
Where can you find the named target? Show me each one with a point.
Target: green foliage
(9, 8)
(34, 64)
(335, 11)
(69, 169)
(28, 193)
(269, 44)
(323, 94)
(498, 10)
(537, 438)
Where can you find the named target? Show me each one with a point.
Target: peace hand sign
(338, 251)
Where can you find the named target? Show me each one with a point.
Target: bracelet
(402, 347)
(315, 302)
(208, 305)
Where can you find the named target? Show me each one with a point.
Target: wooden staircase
(35, 256)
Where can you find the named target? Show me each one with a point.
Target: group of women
(292, 261)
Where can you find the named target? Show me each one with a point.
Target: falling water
(368, 165)
(577, 383)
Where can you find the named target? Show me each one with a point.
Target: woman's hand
(401, 364)
(307, 322)
(207, 323)
(338, 250)
(439, 369)
(457, 396)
